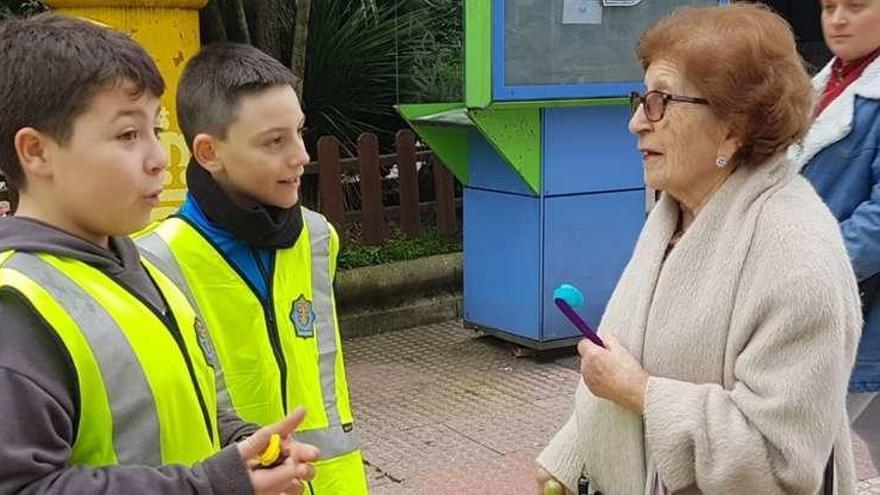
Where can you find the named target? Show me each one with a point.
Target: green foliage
(20, 7)
(397, 248)
(438, 79)
(436, 70)
(352, 77)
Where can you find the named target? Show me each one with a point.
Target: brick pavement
(865, 470)
(442, 411)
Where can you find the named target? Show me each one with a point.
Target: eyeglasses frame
(637, 99)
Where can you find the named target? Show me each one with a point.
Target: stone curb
(399, 295)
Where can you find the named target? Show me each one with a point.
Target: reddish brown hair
(743, 59)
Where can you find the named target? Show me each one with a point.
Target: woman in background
(840, 156)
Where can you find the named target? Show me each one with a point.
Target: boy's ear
(34, 152)
(205, 152)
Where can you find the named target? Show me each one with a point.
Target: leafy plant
(437, 74)
(398, 247)
(353, 74)
(20, 7)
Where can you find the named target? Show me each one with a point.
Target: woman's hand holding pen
(613, 373)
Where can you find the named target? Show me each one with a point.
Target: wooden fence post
(408, 183)
(443, 193)
(371, 189)
(330, 183)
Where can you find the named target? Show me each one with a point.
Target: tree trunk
(240, 19)
(300, 43)
(269, 25)
(211, 22)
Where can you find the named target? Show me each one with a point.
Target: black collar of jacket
(261, 226)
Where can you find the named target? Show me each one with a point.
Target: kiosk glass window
(577, 42)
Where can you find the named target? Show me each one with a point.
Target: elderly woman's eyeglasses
(654, 103)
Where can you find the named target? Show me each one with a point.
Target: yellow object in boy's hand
(273, 450)
(553, 487)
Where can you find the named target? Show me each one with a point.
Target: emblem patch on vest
(204, 341)
(303, 317)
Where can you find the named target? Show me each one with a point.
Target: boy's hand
(289, 476)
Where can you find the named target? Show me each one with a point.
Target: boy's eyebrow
(301, 123)
(281, 128)
(274, 129)
(134, 112)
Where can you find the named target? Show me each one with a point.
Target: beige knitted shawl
(749, 330)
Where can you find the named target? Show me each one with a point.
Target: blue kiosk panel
(511, 269)
(588, 149)
(554, 49)
(588, 241)
(492, 171)
(502, 261)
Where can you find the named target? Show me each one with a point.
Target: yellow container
(169, 30)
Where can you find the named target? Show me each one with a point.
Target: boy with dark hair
(259, 266)
(105, 370)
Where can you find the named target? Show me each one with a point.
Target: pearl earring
(721, 162)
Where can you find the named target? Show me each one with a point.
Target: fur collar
(835, 122)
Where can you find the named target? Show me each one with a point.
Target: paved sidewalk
(442, 411)
(865, 470)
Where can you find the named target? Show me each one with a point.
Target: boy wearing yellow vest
(258, 265)
(106, 373)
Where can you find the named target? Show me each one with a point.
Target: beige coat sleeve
(772, 427)
(561, 456)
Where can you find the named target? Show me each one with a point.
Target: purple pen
(565, 296)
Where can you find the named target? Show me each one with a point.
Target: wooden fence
(357, 191)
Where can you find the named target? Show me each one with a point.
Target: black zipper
(274, 337)
(268, 314)
(171, 324)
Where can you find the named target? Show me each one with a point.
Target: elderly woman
(732, 332)
(841, 158)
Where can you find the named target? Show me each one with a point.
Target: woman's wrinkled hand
(613, 373)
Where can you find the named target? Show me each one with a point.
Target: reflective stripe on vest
(186, 255)
(333, 438)
(134, 406)
(151, 244)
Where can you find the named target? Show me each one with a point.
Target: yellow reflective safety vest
(146, 390)
(277, 354)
